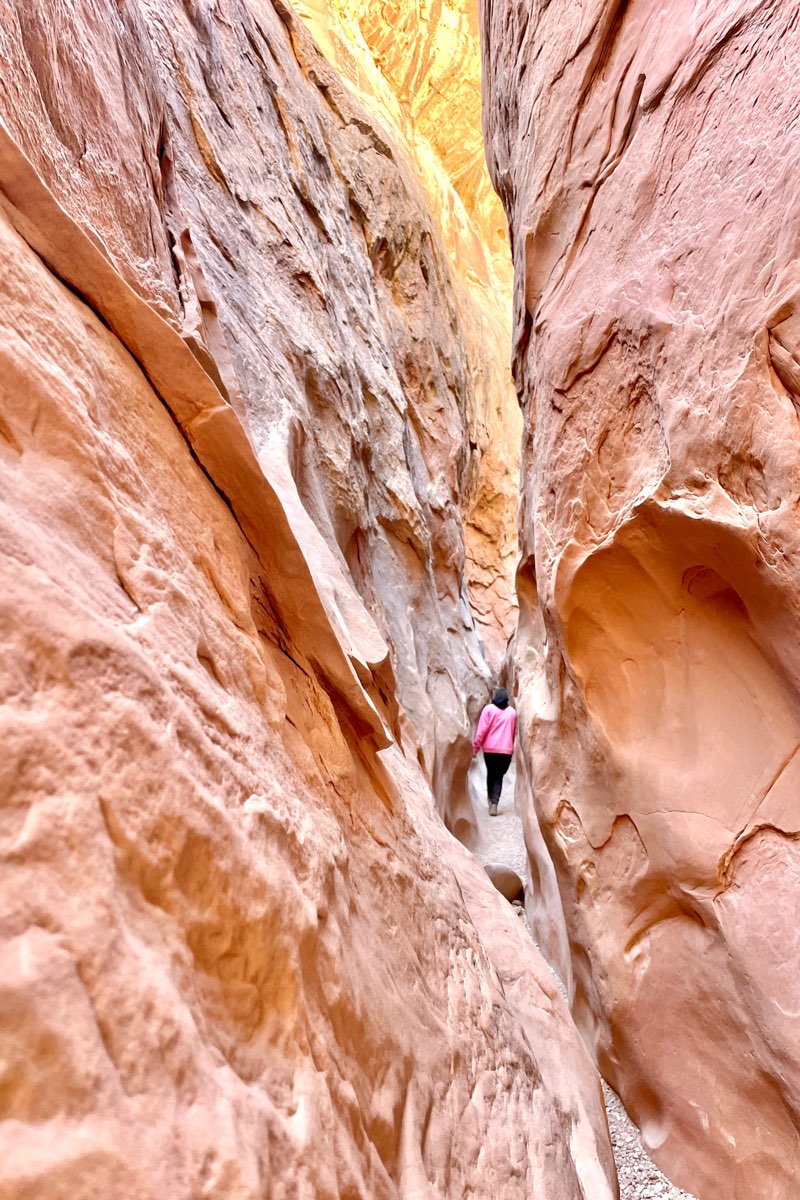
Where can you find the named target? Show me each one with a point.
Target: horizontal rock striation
(647, 155)
(241, 954)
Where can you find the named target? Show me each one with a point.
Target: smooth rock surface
(276, 227)
(647, 157)
(507, 882)
(241, 955)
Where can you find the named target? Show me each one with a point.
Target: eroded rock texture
(419, 69)
(241, 956)
(300, 255)
(647, 157)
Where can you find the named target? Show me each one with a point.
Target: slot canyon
(358, 358)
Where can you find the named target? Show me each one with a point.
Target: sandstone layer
(646, 154)
(241, 954)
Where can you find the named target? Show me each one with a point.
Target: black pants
(496, 767)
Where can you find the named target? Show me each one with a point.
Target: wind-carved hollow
(681, 840)
(676, 673)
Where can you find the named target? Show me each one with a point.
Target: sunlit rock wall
(647, 157)
(241, 955)
(418, 70)
(301, 253)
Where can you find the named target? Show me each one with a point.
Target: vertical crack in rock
(422, 82)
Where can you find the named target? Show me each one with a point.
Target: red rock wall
(298, 253)
(647, 157)
(241, 956)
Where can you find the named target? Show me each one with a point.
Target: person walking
(497, 726)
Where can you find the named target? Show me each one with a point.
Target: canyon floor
(500, 841)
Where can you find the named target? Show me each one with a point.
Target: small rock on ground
(507, 882)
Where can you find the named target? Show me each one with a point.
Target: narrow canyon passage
(276, 515)
(252, 553)
(501, 843)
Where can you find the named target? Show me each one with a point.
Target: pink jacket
(496, 729)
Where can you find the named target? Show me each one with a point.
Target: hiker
(495, 736)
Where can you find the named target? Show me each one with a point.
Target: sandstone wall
(647, 157)
(418, 69)
(241, 954)
(295, 247)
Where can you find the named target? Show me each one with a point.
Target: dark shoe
(493, 809)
